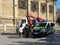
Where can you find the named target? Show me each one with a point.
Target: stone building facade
(58, 13)
(16, 9)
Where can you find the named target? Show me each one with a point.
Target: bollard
(4, 28)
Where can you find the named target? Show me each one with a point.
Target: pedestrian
(20, 30)
(30, 23)
(27, 30)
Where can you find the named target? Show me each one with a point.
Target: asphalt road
(11, 39)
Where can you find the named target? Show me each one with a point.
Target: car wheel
(33, 36)
(53, 32)
(45, 34)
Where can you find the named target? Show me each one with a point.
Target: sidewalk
(57, 26)
(8, 31)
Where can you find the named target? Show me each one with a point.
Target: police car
(43, 28)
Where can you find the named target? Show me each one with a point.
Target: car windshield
(43, 24)
(23, 21)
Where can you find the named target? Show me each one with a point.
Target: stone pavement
(11, 39)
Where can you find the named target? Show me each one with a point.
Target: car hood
(38, 28)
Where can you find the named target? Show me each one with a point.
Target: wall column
(0, 11)
(39, 8)
(47, 15)
(28, 7)
(0, 7)
(15, 10)
(55, 11)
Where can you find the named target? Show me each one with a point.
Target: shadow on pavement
(53, 38)
(28, 43)
(10, 44)
(8, 34)
(32, 43)
(17, 36)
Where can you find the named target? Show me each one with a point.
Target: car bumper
(38, 33)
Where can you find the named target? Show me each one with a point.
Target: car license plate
(35, 33)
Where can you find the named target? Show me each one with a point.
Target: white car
(20, 26)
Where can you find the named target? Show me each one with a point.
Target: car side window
(48, 26)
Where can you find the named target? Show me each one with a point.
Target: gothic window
(53, 0)
(23, 4)
(34, 6)
(51, 8)
(49, 0)
(43, 7)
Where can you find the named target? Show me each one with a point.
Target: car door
(48, 28)
(52, 27)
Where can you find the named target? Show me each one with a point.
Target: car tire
(53, 32)
(45, 34)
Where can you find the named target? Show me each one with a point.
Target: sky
(58, 4)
